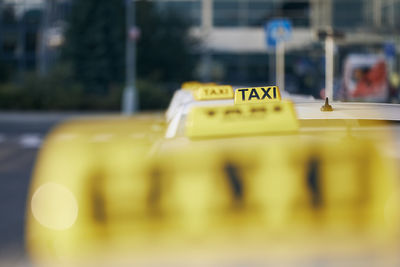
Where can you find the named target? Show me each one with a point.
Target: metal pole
(329, 65)
(1, 25)
(42, 51)
(392, 14)
(206, 27)
(377, 13)
(129, 98)
(280, 65)
(272, 71)
(22, 40)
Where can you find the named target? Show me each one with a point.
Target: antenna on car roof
(326, 106)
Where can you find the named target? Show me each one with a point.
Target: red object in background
(322, 93)
(134, 33)
(365, 78)
(372, 82)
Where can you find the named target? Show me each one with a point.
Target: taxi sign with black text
(194, 85)
(257, 95)
(242, 120)
(214, 92)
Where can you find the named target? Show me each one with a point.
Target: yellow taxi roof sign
(257, 94)
(215, 121)
(214, 92)
(190, 84)
(194, 85)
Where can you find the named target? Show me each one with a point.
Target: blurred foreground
(218, 182)
(21, 135)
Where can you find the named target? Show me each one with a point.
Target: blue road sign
(278, 30)
(390, 50)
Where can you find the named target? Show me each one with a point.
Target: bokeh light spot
(54, 206)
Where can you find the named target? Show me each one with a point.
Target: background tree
(95, 44)
(91, 72)
(165, 49)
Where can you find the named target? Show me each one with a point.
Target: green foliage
(91, 72)
(152, 96)
(59, 91)
(164, 47)
(95, 44)
(5, 72)
(56, 91)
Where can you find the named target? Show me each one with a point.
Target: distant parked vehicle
(365, 79)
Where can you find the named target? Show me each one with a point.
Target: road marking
(30, 141)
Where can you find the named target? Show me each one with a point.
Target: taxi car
(226, 177)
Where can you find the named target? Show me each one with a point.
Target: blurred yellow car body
(116, 191)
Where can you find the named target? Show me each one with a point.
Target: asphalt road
(21, 135)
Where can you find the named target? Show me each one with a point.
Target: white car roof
(307, 108)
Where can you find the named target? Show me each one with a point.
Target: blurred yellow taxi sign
(278, 117)
(257, 95)
(105, 200)
(190, 84)
(194, 85)
(214, 92)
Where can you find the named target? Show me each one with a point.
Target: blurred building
(51, 35)
(31, 31)
(232, 31)
(19, 26)
(234, 38)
